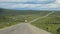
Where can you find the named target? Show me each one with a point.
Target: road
(41, 17)
(24, 28)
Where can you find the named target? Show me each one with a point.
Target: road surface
(24, 28)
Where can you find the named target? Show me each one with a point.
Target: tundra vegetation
(51, 23)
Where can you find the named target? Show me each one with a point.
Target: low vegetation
(50, 23)
(11, 17)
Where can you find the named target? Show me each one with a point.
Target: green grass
(50, 24)
(6, 21)
(13, 17)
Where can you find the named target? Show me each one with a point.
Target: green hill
(10, 17)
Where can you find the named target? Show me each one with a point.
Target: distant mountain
(23, 12)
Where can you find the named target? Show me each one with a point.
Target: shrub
(58, 31)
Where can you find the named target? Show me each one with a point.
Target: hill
(10, 17)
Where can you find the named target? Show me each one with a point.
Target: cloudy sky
(30, 4)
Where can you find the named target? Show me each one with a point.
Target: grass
(50, 24)
(12, 17)
(6, 21)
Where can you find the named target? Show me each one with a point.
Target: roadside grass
(6, 21)
(50, 24)
(9, 18)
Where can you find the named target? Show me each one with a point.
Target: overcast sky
(30, 4)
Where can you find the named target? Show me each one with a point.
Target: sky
(30, 4)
